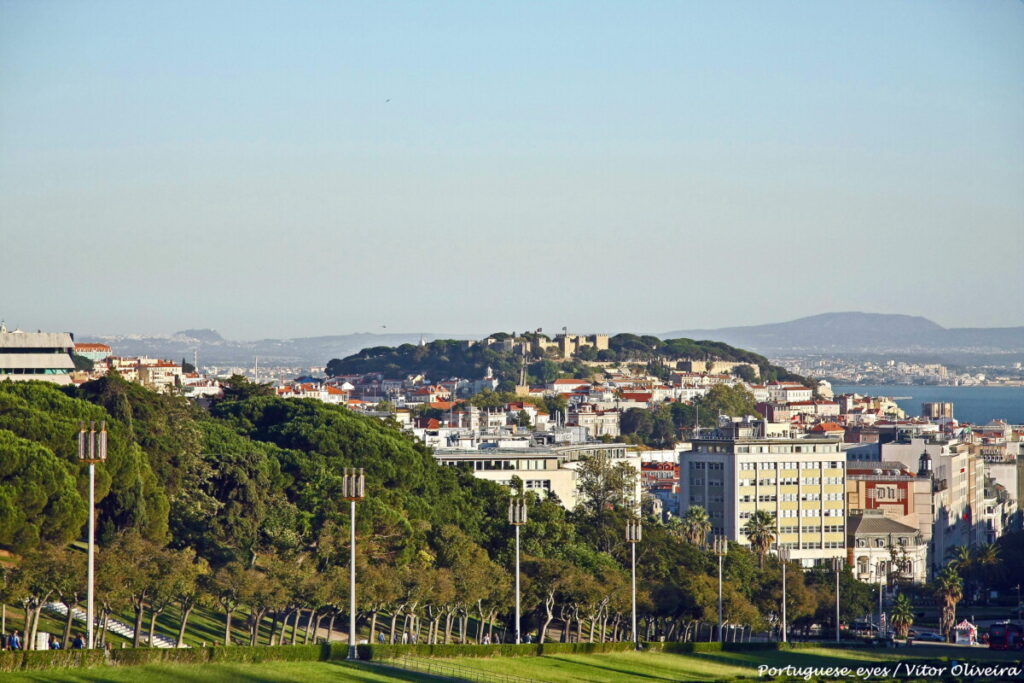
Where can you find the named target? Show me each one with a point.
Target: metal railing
(453, 672)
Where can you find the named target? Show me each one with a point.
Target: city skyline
(304, 169)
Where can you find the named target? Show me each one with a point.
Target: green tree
(761, 532)
(38, 500)
(604, 483)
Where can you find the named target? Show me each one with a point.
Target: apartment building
(733, 472)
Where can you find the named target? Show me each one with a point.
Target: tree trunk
(185, 614)
(67, 624)
(373, 626)
(273, 629)
(310, 625)
(394, 623)
(227, 627)
(295, 625)
(153, 614)
(330, 626)
(140, 611)
(104, 620)
(448, 627)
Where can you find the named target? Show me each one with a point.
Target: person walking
(15, 641)
(78, 643)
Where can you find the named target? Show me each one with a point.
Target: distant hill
(308, 352)
(864, 333)
(451, 358)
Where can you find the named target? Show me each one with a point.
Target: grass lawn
(286, 672)
(652, 666)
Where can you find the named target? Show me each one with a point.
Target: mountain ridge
(859, 332)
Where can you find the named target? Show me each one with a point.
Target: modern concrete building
(733, 472)
(42, 356)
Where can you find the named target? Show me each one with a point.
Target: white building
(42, 356)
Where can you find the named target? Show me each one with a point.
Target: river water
(976, 405)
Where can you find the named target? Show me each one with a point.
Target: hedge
(35, 660)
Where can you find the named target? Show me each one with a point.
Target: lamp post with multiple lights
(92, 449)
(353, 489)
(517, 518)
(634, 532)
(837, 567)
(784, 559)
(720, 546)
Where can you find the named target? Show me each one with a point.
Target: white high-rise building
(733, 472)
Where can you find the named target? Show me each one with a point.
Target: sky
(281, 169)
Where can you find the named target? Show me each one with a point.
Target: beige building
(542, 469)
(800, 481)
(567, 345)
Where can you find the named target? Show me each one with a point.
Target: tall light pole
(92, 448)
(881, 583)
(353, 489)
(720, 546)
(517, 518)
(837, 567)
(634, 532)
(784, 559)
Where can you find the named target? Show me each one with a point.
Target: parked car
(930, 637)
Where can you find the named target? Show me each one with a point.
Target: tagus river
(976, 405)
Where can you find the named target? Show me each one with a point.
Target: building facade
(44, 356)
(801, 482)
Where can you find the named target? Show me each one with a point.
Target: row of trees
(237, 510)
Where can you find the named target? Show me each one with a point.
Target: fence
(443, 669)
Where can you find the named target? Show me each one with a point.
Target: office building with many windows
(733, 472)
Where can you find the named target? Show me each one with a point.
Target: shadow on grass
(613, 669)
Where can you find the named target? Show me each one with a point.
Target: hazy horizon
(272, 169)
(456, 333)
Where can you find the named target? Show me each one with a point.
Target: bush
(282, 653)
(36, 660)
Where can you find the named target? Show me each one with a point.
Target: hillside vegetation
(453, 358)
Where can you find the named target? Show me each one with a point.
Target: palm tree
(696, 525)
(949, 589)
(902, 614)
(760, 531)
(986, 559)
(960, 558)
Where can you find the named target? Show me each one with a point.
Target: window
(879, 543)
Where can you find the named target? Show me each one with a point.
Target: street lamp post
(92, 448)
(784, 558)
(720, 546)
(517, 518)
(837, 567)
(353, 489)
(881, 587)
(634, 531)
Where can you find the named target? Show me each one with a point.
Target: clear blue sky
(290, 168)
